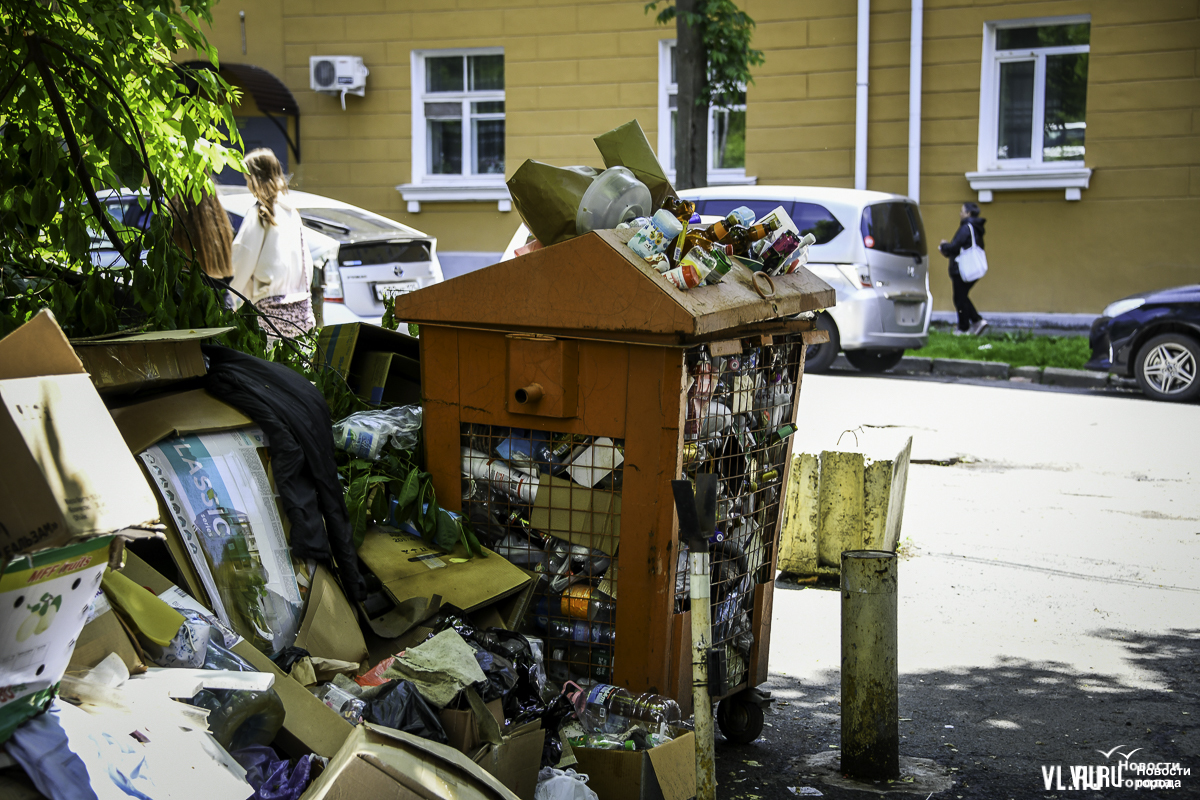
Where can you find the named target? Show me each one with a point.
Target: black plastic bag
(399, 705)
(286, 658)
(554, 716)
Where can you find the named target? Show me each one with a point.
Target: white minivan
(871, 248)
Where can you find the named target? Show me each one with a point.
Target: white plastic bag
(364, 434)
(557, 784)
(972, 261)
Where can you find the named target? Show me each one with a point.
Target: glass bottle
(720, 229)
(741, 237)
(682, 210)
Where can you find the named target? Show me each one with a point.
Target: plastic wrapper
(366, 433)
(399, 705)
(349, 707)
(242, 718)
(188, 648)
(557, 784)
(272, 777)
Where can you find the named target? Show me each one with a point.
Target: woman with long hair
(202, 230)
(969, 319)
(271, 263)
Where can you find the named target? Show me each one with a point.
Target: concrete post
(870, 708)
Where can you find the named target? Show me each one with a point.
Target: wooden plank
(815, 337)
(877, 490)
(680, 686)
(649, 529)
(798, 539)
(440, 414)
(895, 514)
(760, 651)
(840, 500)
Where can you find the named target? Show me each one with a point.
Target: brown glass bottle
(740, 238)
(680, 209)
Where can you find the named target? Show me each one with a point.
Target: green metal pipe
(870, 706)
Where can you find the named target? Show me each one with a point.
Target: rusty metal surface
(595, 285)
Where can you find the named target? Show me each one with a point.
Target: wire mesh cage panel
(552, 503)
(739, 421)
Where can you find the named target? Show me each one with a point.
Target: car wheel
(819, 357)
(1166, 368)
(874, 360)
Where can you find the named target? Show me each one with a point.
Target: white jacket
(272, 261)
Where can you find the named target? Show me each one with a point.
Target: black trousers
(967, 315)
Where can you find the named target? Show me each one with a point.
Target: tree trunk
(691, 120)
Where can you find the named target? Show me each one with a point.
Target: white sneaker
(978, 327)
(958, 332)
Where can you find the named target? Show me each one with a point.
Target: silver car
(871, 248)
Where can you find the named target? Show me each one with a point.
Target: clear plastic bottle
(580, 631)
(611, 709)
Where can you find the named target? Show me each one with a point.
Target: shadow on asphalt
(997, 728)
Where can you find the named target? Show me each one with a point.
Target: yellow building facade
(1074, 123)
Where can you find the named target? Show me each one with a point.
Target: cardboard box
(43, 606)
(380, 762)
(144, 361)
(462, 726)
(309, 726)
(330, 626)
(380, 365)
(515, 762)
(65, 472)
(588, 517)
(105, 634)
(667, 771)
(411, 569)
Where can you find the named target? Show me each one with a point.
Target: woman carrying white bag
(968, 263)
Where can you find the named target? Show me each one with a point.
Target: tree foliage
(92, 103)
(726, 31)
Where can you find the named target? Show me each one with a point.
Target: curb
(999, 371)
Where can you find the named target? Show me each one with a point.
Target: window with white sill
(1033, 105)
(458, 127)
(726, 127)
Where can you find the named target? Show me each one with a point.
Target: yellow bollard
(870, 705)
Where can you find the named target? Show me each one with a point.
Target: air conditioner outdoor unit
(340, 75)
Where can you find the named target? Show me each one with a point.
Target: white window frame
(428, 187)
(666, 147)
(996, 174)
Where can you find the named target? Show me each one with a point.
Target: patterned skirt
(291, 319)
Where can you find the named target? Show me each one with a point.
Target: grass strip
(1017, 349)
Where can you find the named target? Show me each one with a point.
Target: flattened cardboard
(65, 472)
(144, 361)
(330, 626)
(582, 516)
(309, 726)
(378, 762)
(516, 760)
(409, 568)
(103, 635)
(380, 365)
(667, 771)
(177, 414)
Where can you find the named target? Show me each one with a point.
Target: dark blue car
(1155, 338)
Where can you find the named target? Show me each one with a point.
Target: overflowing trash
(208, 569)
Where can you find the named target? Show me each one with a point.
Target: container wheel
(740, 719)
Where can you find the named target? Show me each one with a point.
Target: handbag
(972, 261)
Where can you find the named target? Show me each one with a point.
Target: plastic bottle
(611, 709)
(592, 663)
(584, 602)
(580, 631)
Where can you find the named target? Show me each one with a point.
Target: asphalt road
(1049, 603)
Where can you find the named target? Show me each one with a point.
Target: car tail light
(333, 284)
